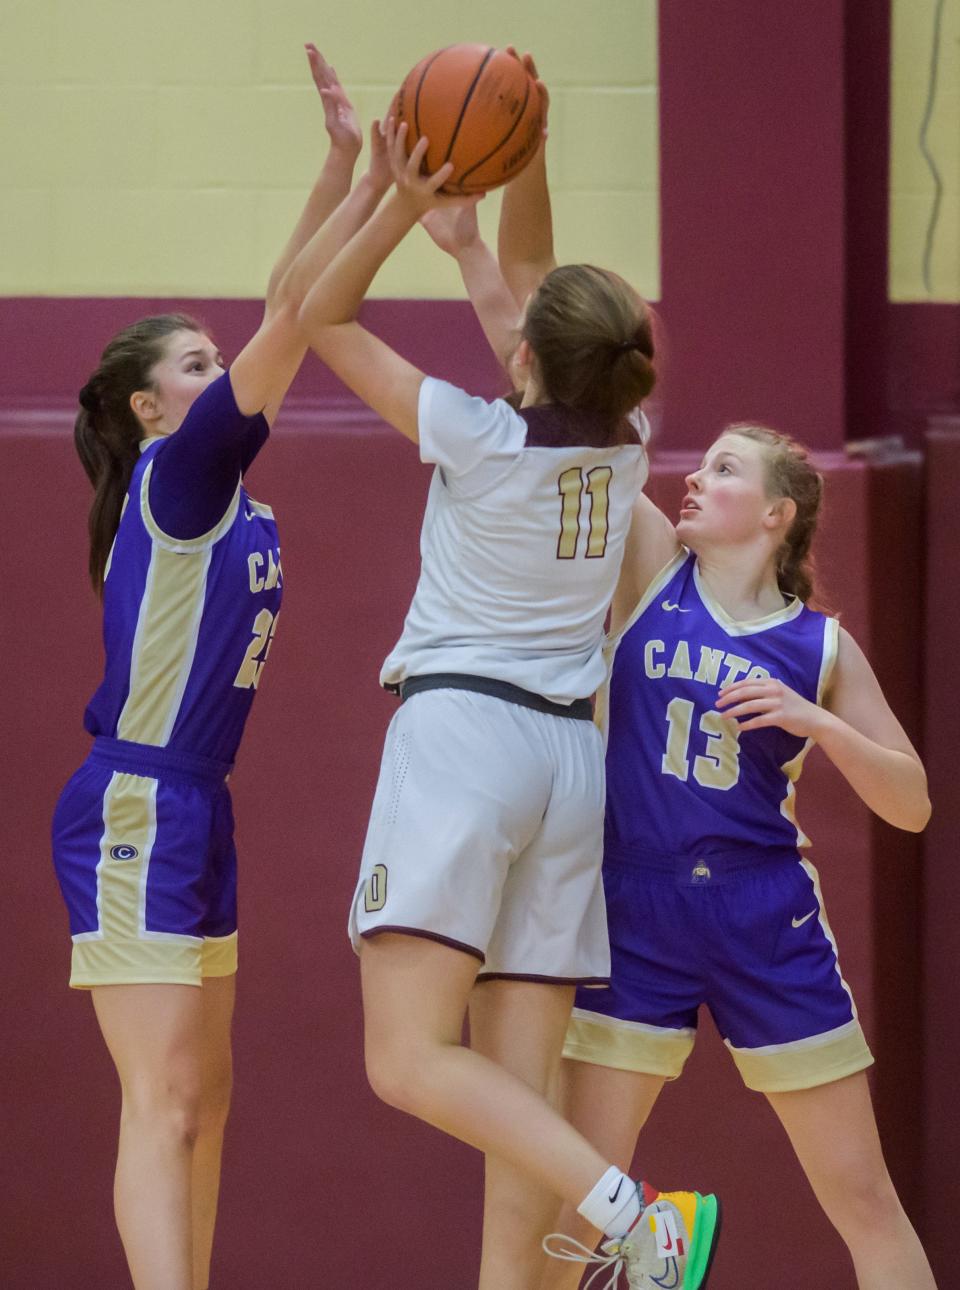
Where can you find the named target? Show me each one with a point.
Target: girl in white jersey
(482, 852)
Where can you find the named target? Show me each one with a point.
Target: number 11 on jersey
(571, 485)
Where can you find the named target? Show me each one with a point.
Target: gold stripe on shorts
(805, 1063)
(627, 1045)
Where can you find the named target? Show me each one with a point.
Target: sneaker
(669, 1247)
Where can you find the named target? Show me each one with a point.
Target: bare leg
(520, 1026)
(218, 995)
(415, 995)
(153, 1033)
(834, 1133)
(609, 1107)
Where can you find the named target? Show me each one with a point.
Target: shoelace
(573, 1251)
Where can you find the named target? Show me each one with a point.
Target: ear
(781, 513)
(143, 404)
(523, 354)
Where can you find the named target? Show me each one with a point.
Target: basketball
(480, 110)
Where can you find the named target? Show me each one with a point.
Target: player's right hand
(418, 190)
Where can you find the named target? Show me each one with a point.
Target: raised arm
(651, 544)
(334, 180)
(457, 232)
(855, 727)
(385, 381)
(525, 239)
(197, 470)
(262, 372)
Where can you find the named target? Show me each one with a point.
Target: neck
(742, 580)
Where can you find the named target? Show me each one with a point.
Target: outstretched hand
(339, 115)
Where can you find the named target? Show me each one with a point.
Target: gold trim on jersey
(627, 1045)
(747, 626)
(822, 919)
(806, 1063)
(123, 511)
(260, 508)
(184, 545)
(794, 768)
(164, 644)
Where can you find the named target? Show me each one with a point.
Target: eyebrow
(202, 353)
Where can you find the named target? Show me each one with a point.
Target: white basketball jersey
(522, 541)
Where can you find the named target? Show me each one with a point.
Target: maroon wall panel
(305, 1127)
(752, 173)
(942, 873)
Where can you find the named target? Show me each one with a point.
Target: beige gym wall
(164, 147)
(912, 187)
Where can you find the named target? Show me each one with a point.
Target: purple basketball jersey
(682, 779)
(188, 621)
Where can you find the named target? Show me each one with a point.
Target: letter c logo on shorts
(375, 892)
(123, 852)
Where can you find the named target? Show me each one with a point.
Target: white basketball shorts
(486, 835)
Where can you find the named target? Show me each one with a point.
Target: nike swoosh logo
(665, 604)
(612, 1198)
(798, 922)
(668, 1243)
(248, 515)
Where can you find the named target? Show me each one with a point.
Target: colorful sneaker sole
(703, 1242)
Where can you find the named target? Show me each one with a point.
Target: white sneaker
(669, 1247)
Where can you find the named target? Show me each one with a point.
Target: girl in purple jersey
(480, 859)
(706, 903)
(143, 832)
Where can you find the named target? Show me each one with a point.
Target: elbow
(920, 817)
(915, 815)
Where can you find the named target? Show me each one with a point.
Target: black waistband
(579, 709)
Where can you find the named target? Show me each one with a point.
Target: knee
(864, 1203)
(169, 1103)
(396, 1077)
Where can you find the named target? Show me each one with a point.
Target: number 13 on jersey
(571, 486)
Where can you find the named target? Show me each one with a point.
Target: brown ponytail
(107, 433)
(592, 339)
(790, 473)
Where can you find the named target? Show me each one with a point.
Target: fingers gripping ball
(479, 108)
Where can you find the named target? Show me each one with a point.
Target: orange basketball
(479, 108)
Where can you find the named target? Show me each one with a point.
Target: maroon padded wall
(941, 1015)
(306, 1133)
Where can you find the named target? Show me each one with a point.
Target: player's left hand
(531, 69)
(339, 115)
(453, 228)
(755, 704)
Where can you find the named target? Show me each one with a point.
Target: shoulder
(458, 430)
